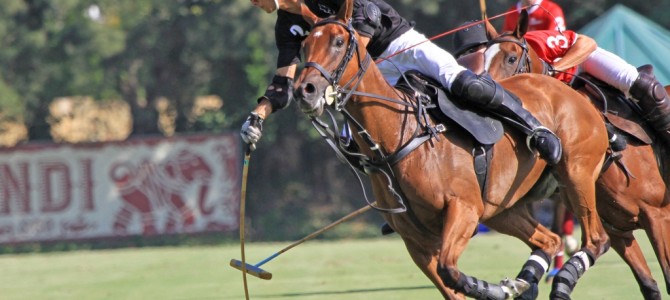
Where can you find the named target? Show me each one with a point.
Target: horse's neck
(384, 120)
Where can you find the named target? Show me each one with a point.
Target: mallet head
(252, 270)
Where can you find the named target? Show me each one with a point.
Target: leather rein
(380, 162)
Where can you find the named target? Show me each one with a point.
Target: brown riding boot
(654, 102)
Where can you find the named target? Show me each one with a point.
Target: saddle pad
(619, 111)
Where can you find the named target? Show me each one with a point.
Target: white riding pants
(426, 57)
(611, 69)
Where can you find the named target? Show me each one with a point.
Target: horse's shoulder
(534, 80)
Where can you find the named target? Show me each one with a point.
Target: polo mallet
(243, 192)
(255, 270)
(482, 7)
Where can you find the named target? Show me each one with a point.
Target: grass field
(352, 269)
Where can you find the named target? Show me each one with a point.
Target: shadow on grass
(408, 288)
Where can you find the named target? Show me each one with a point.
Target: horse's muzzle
(310, 98)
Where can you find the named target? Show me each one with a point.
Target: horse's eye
(511, 59)
(339, 42)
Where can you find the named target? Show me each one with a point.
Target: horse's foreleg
(656, 222)
(460, 221)
(427, 262)
(625, 244)
(595, 241)
(519, 222)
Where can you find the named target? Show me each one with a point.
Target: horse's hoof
(514, 288)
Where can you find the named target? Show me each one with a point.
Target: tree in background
(145, 51)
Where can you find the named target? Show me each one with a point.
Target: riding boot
(491, 96)
(654, 102)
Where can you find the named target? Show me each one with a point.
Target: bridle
(380, 162)
(525, 64)
(334, 77)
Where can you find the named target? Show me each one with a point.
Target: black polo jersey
(291, 29)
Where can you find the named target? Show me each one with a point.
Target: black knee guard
(480, 90)
(653, 100)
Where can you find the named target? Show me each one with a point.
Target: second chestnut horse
(632, 193)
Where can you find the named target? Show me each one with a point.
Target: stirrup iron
(533, 133)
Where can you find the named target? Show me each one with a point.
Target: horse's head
(507, 53)
(328, 51)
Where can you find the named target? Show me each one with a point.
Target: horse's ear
(491, 32)
(522, 25)
(346, 10)
(308, 15)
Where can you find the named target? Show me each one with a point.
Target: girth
(485, 130)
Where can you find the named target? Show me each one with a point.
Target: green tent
(634, 38)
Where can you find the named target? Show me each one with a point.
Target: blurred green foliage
(141, 51)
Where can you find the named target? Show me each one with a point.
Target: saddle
(484, 129)
(620, 112)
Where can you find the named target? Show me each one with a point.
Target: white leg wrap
(540, 260)
(585, 259)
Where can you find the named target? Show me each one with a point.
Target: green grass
(351, 269)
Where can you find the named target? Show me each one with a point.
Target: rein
(380, 162)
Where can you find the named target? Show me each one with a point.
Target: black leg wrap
(472, 287)
(532, 271)
(566, 279)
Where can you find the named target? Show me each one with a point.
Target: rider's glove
(252, 129)
(550, 70)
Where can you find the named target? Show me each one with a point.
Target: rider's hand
(551, 71)
(252, 130)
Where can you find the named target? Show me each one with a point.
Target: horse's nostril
(309, 88)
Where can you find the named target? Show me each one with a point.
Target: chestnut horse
(632, 193)
(436, 181)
